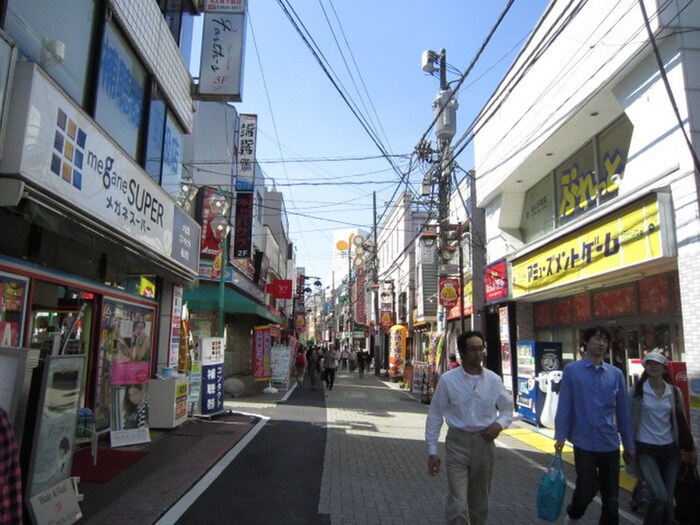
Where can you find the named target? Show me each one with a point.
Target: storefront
(619, 272)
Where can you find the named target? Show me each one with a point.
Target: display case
(167, 402)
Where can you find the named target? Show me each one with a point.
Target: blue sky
(310, 143)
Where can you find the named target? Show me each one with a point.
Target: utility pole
(445, 109)
(379, 335)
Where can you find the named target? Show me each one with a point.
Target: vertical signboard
(175, 320)
(247, 134)
(243, 233)
(212, 386)
(221, 64)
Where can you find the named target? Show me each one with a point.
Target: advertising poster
(124, 358)
(129, 415)
(281, 359)
(57, 414)
(262, 343)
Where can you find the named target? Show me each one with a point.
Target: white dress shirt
(467, 402)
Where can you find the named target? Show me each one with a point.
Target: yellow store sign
(633, 235)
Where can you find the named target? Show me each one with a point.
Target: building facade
(586, 166)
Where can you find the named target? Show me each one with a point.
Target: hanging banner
(397, 351)
(243, 233)
(360, 304)
(245, 168)
(262, 344)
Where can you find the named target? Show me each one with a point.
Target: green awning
(206, 298)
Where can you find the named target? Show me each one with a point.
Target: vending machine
(539, 365)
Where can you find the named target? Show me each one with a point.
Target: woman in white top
(656, 407)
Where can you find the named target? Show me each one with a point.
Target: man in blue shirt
(593, 413)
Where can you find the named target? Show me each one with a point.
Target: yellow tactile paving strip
(543, 440)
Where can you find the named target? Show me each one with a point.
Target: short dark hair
(596, 330)
(462, 339)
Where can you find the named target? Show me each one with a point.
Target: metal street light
(220, 227)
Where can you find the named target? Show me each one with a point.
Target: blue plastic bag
(551, 491)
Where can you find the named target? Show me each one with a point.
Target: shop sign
(468, 306)
(220, 70)
(243, 232)
(449, 291)
(280, 289)
(247, 136)
(212, 389)
(635, 235)
(224, 6)
(496, 282)
(69, 157)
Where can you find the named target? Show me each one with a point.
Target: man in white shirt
(476, 406)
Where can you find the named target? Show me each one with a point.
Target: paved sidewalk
(375, 463)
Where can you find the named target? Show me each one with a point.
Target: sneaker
(570, 521)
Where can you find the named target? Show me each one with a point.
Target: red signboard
(360, 306)
(496, 282)
(209, 245)
(387, 318)
(449, 291)
(243, 239)
(280, 289)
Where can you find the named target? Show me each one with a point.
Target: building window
(56, 36)
(156, 135)
(172, 157)
(586, 180)
(120, 91)
(613, 147)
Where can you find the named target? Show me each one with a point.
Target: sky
(312, 147)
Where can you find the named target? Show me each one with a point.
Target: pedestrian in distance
(476, 406)
(330, 363)
(660, 431)
(313, 366)
(593, 414)
(453, 362)
(362, 362)
(344, 356)
(299, 366)
(353, 360)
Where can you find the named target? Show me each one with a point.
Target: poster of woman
(129, 414)
(126, 342)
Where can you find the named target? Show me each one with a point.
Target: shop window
(13, 297)
(56, 35)
(61, 319)
(119, 106)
